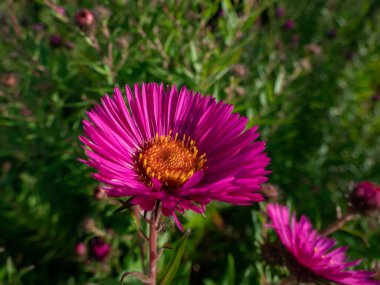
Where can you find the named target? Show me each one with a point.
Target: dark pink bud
(84, 18)
(39, 27)
(100, 193)
(289, 25)
(220, 12)
(60, 10)
(365, 197)
(56, 41)
(280, 12)
(376, 97)
(332, 34)
(9, 80)
(99, 249)
(270, 191)
(81, 249)
(69, 45)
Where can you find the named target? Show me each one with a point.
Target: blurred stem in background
(339, 223)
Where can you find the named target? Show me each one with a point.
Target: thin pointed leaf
(124, 205)
(166, 277)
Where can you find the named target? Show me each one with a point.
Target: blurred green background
(306, 72)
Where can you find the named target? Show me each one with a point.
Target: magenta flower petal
(177, 147)
(313, 252)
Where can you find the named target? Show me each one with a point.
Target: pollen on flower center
(169, 159)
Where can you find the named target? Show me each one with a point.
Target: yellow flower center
(171, 160)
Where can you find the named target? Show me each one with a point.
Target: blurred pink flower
(311, 255)
(365, 197)
(84, 18)
(81, 249)
(55, 41)
(289, 25)
(177, 147)
(99, 249)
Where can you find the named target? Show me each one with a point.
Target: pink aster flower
(312, 256)
(178, 148)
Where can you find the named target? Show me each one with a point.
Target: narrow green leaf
(231, 270)
(166, 277)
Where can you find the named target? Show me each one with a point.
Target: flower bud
(100, 193)
(84, 18)
(99, 249)
(123, 42)
(314, 48)
(38, 27)
(376, 97)
(332, 33)
(289, 25)
(365, 197)
(280, 12)
(81, 249)
(55, 41)
(9, 80)
(89, 225)
(69, 45)
(270, 191)
(60, 10)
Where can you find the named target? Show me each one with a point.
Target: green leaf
(167, 276)
(231, 270)
(254, 15)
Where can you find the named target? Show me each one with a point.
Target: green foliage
(167, 275)
(310, 93)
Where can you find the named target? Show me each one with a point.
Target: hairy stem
(340, 222)
(153, 234)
